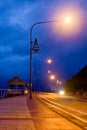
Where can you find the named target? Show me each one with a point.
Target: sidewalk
(22, 113)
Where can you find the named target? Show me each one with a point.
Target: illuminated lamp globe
(67, 20)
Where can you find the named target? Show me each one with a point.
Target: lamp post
(36, 46)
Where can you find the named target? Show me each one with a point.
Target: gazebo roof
(16, 81)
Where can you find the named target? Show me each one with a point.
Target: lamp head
(67, 20)
(49, 61)
(52, 77)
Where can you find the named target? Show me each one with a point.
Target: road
(68, 101)
(73, 106)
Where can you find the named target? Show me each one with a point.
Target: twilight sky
(65, 44)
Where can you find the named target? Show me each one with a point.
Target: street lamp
(49, 61)
(58, 82)
(49, 72)
(52, 77)
(36, 48)
(67, 20)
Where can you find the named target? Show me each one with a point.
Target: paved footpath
(22, 113)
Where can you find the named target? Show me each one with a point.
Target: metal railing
(5, 92)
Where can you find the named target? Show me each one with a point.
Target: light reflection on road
(68, 101)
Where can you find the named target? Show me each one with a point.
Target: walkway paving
(22, 113)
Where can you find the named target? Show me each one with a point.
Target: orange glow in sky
(73, 17)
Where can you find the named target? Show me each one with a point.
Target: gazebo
(17, 85)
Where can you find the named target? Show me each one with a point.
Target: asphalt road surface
(73, 106)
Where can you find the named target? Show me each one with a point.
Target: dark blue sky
(67, 46)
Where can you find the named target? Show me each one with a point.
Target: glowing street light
(67, 20)
(58, 82)
(49, 61)
(52, 77)
(49, 72)
(36, 48)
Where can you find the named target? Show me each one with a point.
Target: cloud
(4, 50)
(20, 16)
(25, 13)
(20, 48)
(14, 64)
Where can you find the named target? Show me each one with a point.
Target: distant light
(52, 77)
(67, 20)
(49, 71)
(58, 82)
(26, 92)
(61, 92)
(49, 61)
